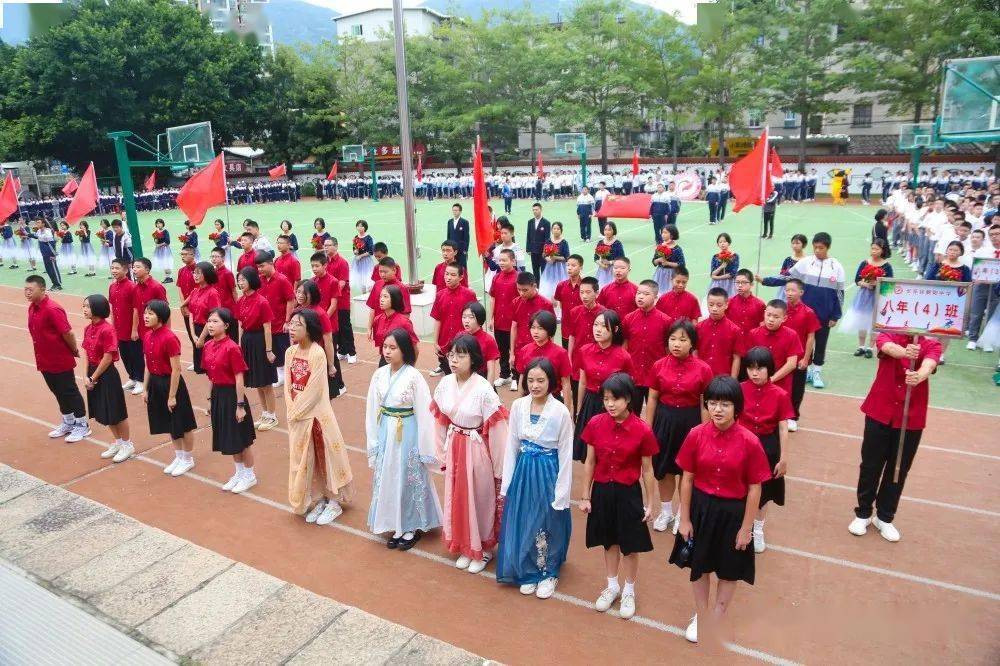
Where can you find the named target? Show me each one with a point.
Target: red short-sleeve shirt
(524, 309)
(329, 289)
(438, 278)
(326, 323)
(158, 346)
(47, 323)
(581, 328)
(121, 295)
(568, 297)
(503, 289)
(185, 280)
(599, 364)
(225, 286)
(253, 312)
(376, 293)
(376, 276)
(341, 271)
(447, 311)
(619, 447)
(289, 266)
(100, 339)
(279, 292)
(248, 258)
(680, 383)
(382, 325)
(783, 343)
(619, 296)
(747, 312)
(884, 402)
(803, 320)
(147, 291)
(647, 340)
(487, 343)
(764, 407)
(550, 350)
(718, 341)
(682, 305)
(725, 463)
(223, 360)
(202, 301)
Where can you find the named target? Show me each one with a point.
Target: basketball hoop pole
(915, 154)
(583, 168)
(128, 189)
(405, 147)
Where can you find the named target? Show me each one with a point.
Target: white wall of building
(371, 24)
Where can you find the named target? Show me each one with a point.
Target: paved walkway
(77, 578)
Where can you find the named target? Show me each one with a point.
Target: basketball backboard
(917, 135)
(190, 143)
(570, 143)
(353, 153)
(970, 101)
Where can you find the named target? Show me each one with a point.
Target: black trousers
(878, 465)
(132, 359)
(443, 364)
(67, 393)
(345, 336)
(585, 227)
(768, 224)
(536, 265)
(52, 268)
(503, 342)
(798, 390)
(822, 337)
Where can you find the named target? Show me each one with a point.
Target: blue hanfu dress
(537, 478)
(400, 432)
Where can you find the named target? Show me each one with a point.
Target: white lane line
(859, 398)
(433, 557)
(917, 500)
(930, 447)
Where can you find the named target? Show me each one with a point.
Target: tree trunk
(722, 144)
(604, 144)
(533, 126)
(803, 133)
(676, 142)
(918, 111)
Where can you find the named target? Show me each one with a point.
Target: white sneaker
(78, 433)
(190, 366)
(342, 357)
(627, 607)
(500, 381)
(759, 546)
(691, 633)
(463, 562)
(436, 372)
(183, 467)
(859, 526)
(245, 483)
(170, 468)
(233, 480)
(887, 530)
(129, 385)
(676, 524)
(63, 430)
(607, 598)
(267, 423)
(513, 385)
(330, 513)
(112, 450)
(316, 510)
(477, 566)
(971, 346)
(793, 425)
(662, 522)
(280, 382)
(528, 588)
(125, 452)
(352, 359)
(137, 389)
(988, 349)
(546, 588)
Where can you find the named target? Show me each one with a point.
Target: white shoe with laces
(330, 513)
(859, 526)
(988, 349)
(793, 425)
(528, 588)
(463, 562)
(513, 385)
(231, 483)
(887, 530)
(691, 633)
(183, 467)
(245, 483)
(137, 389)
(662, 522)
(476, 566)
(112, 450)
(316, 510)
(500, 381)
(546, 588)
(125, 452)
(170, 468)
(627, 607)
(607, 598)
(759, 546)
(971, 346)
(61, 431)
(129, 385)
(78, 433)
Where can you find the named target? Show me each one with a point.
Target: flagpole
(405, 144)
(763, 197)
(225, 186)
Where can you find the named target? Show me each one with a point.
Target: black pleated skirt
(671, 425)
(716, 522)
(616, 518)
(261, 372)
(592, 405)
(196, 355)
(162, 420)
(229, 436)
(774, 489)
(336, 383)
(106, 401)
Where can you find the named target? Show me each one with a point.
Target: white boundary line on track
(931, 447)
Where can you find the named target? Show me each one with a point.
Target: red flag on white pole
(70, 187)
(277, 172)
(333, 171)
(150, 182)
(750, 178)
(85, 198)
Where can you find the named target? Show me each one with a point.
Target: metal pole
(374, 178)
(763, 196)
(128, 189)
(405, 147)
(902, 426)
(915, 155)
(583, 166)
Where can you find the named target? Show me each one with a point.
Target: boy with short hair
(720, 340)
(744, 309)
(503, 291)
(527, 303)
(679, 303)
(781, 340)
(646, 335)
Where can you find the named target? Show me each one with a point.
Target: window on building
(357, 30)
(862, 115)
(791, 119)
(755, 118)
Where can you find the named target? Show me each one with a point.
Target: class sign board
(921, 307)
(986, 270)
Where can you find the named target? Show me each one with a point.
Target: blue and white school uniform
(537, 478)
(361, 268)
(9, 245)
(990, 337)
(163, 259)
(554, 272)
(781, 279)
(400, 432)
(727, 283)
(665, 276)
(859, 314)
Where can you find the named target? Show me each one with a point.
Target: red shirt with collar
(683, 305)
(725, 463)
(121, 295)
(158, 346)
(326, 324)
(253, 312)
(524, 309)
(223, 360)
(225, 286)
(567, 295)
(329, 289)
(100, 339)
(447, 310)
(599, 364)
(747, 312)
(383, 324)
(803, 320)
(647, 341)
(582, 331)
(503, 289)
(550, 350)
(680, 383)
(487, 344)
(783, 344)
(341, 271)
(764, 407)
(147, 291)
(438, 278)
(376, 277)
(619, 296)
(185, 280)
(884, 402)
(619, 447)
(248, 258)
(279, 292)
(718, 341)
(376, 293)
(289, 266)
(202, 301)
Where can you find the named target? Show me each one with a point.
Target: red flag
(420, 166)
(750, 178)
(85, 198)
(203, 190)
(277, 172)
(777, 170)
(480, 202)
(633, 205)
(150, 183)
(8, 198)
(333, 171)
(541, 167)
(70, 187)
(635, 162)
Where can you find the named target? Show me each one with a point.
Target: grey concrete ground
(79, 579)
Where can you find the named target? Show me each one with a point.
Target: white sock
(187, 456)
(408, 536)
(613, 583)
(668, 508)
(178, 454)
(81, 421)
(247, 472)
(239, 467)
(758, 526)
(629, 588)
(68, 419)
(119, 441)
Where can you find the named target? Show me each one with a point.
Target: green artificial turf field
(964, 383)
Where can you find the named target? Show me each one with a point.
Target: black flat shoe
(392, 543)
(868, 353)
(406, 544)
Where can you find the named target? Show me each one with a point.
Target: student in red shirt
(379, 252)
(125, 318)
(226, 285)
(185, 285)
(390, 317)
(473, 318)
(567, 295)
(598, 361)
(340, 269)
(676, 384)
(447, 314)
(503, 291)
(744, 309)
(168, 404)
(542, 329)
(253, 312)
(146, 289)
(307, 297)
(202, 300)
(680, 303)
(105, 397)
(388, 271)
(619, 493)
(229, 412)
(525, 305)
(286, 262)
(724, 466)
(449, 252)
(619, 294)
(766, 409)
(280, 296)
(903, 361)
(803, 320)
(329, 287)
(581, 326)
(720, 340)
(645, 337)
(249, 254)
(782, 342)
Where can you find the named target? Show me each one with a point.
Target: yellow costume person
(839, 184)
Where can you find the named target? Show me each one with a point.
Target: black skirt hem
(592, 405)
(229, 436)
(772, 490)
(716, 522)
(162, 420)
(670, 426)
(261, 373)
(106, 401)
(616, 518)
